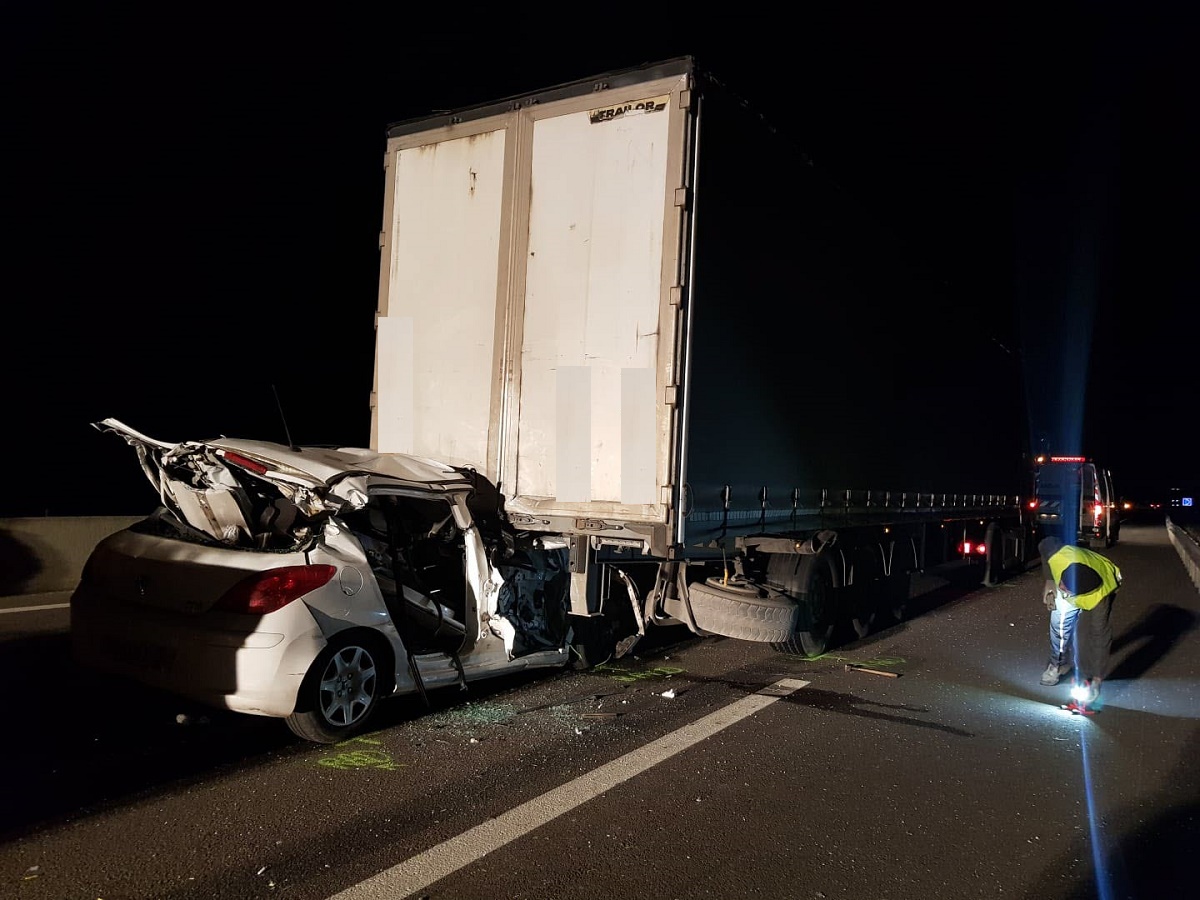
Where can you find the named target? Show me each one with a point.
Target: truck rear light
(265, 592)
(1033, 504)
(1098, 512)
(970, 548)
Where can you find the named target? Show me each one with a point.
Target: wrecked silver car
(309, 583)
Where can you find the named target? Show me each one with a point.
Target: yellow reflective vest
(1110, 575)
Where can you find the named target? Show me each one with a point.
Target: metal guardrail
(1187, 548)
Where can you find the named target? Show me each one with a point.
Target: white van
(1075, 489)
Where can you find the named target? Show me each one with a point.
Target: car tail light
(265, 592)
(238, 460)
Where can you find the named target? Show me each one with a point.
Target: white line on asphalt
(420, 871)
(36, 608)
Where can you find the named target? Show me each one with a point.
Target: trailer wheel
(897, 589)
(861, 598)
(742, 612)
(817, 608)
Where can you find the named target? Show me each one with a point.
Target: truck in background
(1073, 499)
(662, 340)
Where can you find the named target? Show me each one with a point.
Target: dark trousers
(1093, 640)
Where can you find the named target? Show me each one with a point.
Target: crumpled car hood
(257, 493)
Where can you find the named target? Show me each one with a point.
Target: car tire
(339, 692)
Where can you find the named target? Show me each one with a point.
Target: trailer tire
(817, 608)
(743, 613)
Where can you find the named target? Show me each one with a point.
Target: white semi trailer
(665, 343)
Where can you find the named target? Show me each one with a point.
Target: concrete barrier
(44, 555)
(1188, 550)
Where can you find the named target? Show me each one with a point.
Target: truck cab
(1074, 492)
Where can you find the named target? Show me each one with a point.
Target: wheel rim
(348, 686)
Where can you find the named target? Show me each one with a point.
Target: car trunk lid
(142, 566)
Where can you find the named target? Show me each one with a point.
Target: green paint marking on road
(628, 676)
(880, 661)
(361, 759)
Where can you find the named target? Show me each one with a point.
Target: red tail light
(265, 592)
(238, 460)
(1033, 504)
(1098, 511)
(980, 549)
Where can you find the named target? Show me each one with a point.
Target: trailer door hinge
(681, 197)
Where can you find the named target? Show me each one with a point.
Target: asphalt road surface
(668, 774)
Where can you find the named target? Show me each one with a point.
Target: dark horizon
(198, 212)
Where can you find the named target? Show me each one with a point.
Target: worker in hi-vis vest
(1082, 583)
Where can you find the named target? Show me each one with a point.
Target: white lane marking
(424, 869)
(35, 608)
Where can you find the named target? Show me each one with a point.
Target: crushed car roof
(265, 494)
(320, 464)
(328, 463)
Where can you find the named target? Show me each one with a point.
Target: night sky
(193, 206)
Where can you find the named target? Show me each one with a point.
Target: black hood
(1048, 546)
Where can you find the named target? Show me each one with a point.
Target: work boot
(1054, 672)
(1084, 705)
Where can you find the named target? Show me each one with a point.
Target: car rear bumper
(255, 669)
